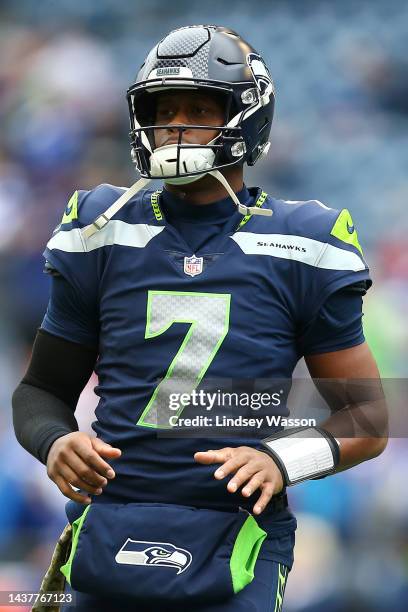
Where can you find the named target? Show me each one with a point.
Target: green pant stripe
(280, 589)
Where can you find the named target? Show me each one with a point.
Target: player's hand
(252, 468)
(76, 459)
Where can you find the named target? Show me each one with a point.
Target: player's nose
(180, 117)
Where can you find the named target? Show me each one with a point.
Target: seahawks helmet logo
(153, 554)
(261, 75)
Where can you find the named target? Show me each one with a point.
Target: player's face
(187, 108)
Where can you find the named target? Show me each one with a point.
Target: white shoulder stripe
(71, 241)
(115, 232)
(297, 248)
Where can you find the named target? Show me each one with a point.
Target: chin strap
(104, 218)
(244, 210)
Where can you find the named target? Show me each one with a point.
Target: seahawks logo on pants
(153, 554)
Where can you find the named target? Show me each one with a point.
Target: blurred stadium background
(339, 135)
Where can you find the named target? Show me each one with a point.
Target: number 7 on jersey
(208, 314)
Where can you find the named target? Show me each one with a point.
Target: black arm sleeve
(44, 402)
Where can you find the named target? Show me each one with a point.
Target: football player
(160, 291)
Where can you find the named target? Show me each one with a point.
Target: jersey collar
(161, 205)
(176, 208)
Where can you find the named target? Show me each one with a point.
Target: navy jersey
(168, 318)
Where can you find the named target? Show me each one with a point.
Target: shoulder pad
(313, 219)
(308, 218)
(84, 206)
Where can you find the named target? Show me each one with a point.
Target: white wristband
(307, 452)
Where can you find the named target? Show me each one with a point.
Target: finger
(91, 458)
(242, 475)
(84, 471)
(72, 478)
(213, 456)
(232, 465)
(69, 492)
(266, 495)
(256, 481)
(105, 449)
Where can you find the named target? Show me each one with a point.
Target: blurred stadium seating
(340, 135)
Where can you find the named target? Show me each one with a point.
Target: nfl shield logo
(193, 265)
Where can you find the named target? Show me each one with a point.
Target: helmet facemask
(181, 162)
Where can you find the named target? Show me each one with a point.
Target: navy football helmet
(216, 60)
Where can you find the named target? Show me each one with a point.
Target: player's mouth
(175, 141)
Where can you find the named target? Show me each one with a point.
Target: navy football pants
(263, 594)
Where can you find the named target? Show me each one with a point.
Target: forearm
(356, 450)
(44, 402)
(353, 434)
(39, 418)
(353, 449)
(350, 383)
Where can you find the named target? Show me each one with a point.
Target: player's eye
(165, 112)
(201, 110)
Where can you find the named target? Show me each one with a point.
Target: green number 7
(208, 314)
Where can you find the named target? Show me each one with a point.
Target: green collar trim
(154, 201)
(259, 203)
